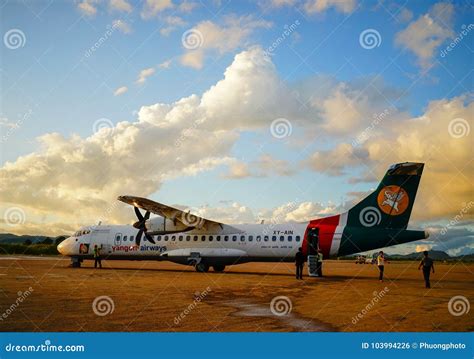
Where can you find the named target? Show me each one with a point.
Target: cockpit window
(82, 232)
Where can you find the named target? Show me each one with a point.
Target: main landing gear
(203, 267)
(75, 262)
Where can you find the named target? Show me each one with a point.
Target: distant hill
(9, 238)
(436, 255)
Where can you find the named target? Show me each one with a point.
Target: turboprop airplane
(380, 220)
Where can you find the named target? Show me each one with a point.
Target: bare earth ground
(150, 296)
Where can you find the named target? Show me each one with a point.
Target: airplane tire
(202, 267)
(218, 268)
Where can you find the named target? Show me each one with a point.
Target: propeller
(140, 225)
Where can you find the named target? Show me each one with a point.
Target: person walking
(97, 259)
(381, 264)
(299, 263)
(428, 268)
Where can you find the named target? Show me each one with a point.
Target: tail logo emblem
(393, 200)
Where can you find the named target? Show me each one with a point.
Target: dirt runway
(44, 294)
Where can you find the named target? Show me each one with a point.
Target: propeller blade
(150, 238)
(139, 215)
(138, 238)
(147, 215)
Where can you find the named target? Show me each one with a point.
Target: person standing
(428, 267)
(97, 259)
(320, 263)
(381, 265)
(299, 263)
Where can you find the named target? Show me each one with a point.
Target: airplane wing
(174, 214)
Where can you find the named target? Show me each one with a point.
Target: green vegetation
(30, 249)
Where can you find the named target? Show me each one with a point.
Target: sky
(239, 111)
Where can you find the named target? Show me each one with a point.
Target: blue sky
(321, 62)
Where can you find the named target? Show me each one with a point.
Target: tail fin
(391, 204)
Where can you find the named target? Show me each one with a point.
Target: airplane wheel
(218, 268)
(202, 267)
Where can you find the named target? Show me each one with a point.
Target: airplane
(379, 220)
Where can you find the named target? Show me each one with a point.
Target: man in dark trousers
(97, 259)
(428, 267)
(299, 263)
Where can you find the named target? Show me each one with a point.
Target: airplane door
(313, 245)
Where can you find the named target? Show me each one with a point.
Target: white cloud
(154, 7)
(75, 180)
(122, 26)
(173, 23)
(88, 7)
(165, 64)
(4, 122)
(319, 6)
(120, 91)
(232, 34)
(424, 35)
(264, 166)
(187, 6)
(446, 185)
(120, 5)
(144, 74)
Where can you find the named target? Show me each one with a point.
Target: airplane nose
(64, 246)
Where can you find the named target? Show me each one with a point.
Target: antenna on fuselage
(100, 222)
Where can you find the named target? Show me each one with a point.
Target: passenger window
(166, 238)
(195, 238)
(226, 238)
(158, 238)
(259, 238)
(131, 238)
(218, 238)
(125, 238)
(250, 238)
(297, 238)
(242, 238)
(274, 238)
(234, 238)
(282, 238)
(188, 238)
(203, 238)
(173, 238)
(210, 238)
(265, 238)
(290, 238)
(180, 238)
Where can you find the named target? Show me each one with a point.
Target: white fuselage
(253, 242)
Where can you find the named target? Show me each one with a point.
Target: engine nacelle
(163, 225)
